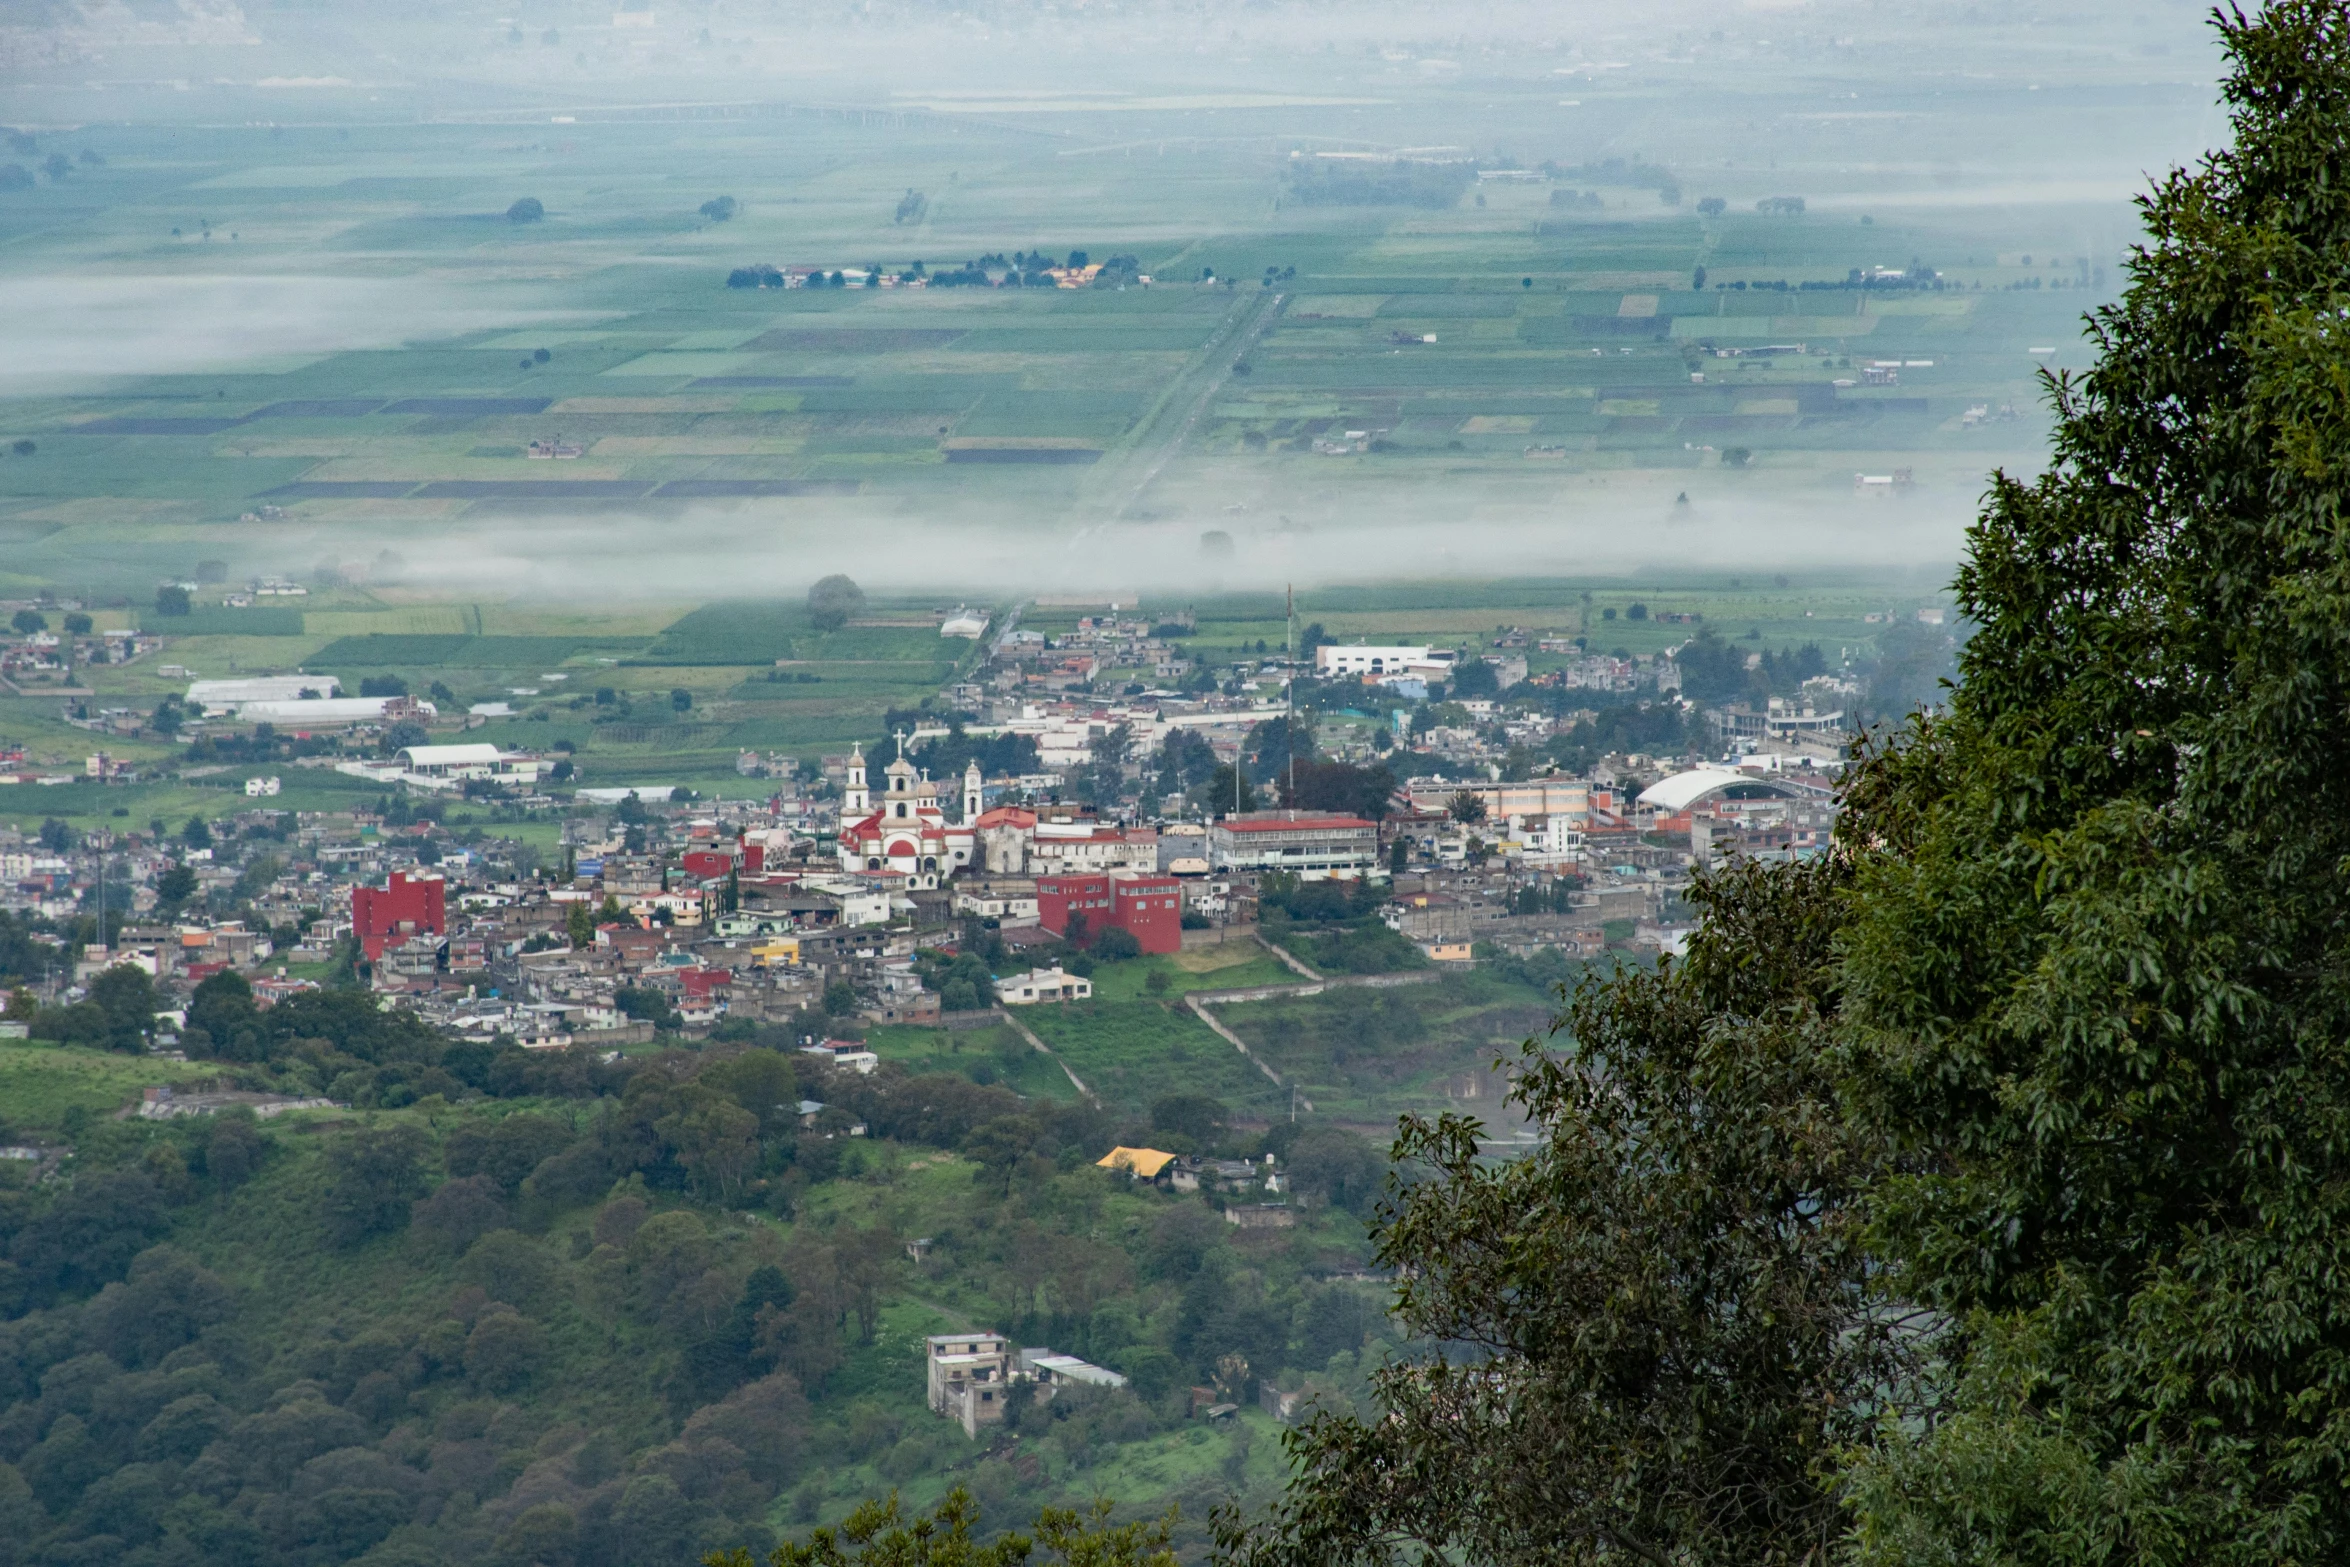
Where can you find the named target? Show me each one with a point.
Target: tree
(681, 700)
(833, 600)
(504, 1351)
(718, 209)
(1367, 792)
(1711, 206)
(126, 994)
(1657, 1328)
(1219, 795)
(29, 621)
(78, 624)
(171, 599)
(224, 1021)
(1711, 669)
(528, 210)
(1115, 944)
(196, 833)
(461, 1212)
(878, 1534)
(174, 887)
(1466, 807)
(372, 1179)
(2043, 1068)
(2122, 1066)
(1195, 1116)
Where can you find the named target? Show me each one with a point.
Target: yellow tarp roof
(1145, 1162)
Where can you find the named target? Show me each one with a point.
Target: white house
(1044, 984)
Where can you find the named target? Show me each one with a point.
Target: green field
(40, 1084)
(739, 441)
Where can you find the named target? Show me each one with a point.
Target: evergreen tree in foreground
(1980, 1196)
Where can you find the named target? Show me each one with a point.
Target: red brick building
(1149, 908)
(403, 907)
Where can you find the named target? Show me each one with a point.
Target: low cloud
(69, 333)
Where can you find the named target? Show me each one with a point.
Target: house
(847, 1055)
(1044, 984)
(1284, 1407)
(1231, 1175)
(1143, 1164)
(1261, 1216)
(1049, 1370)
(1007, 901)
(969, 1375)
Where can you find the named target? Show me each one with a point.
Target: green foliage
(2098, 920)
(1970, 1196)
(878, 1534)
(1668, 1295)
(1115, 944)
(832, 601)
(1338, 786)
(1369, 948)
(373, 1178)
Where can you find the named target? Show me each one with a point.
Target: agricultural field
(1564, 375)
(1583, 353)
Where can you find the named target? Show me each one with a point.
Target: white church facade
(905, 830)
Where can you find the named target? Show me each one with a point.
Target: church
(906, 831)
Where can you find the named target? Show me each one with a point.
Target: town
(1023, 816)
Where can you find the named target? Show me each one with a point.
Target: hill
(571, 1311)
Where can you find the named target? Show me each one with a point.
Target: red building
(403, 907)
(1149, 908)
(709, 864)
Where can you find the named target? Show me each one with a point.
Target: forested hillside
(571, 1312)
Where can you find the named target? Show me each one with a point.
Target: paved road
(1113, 494)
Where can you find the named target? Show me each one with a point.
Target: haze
(285, 207)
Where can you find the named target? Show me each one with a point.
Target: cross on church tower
(901, 737)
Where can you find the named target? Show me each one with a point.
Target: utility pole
(1289, 724)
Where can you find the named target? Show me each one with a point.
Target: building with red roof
(1310, 845)
(906, 830)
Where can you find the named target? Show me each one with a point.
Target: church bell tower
(856, 801)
